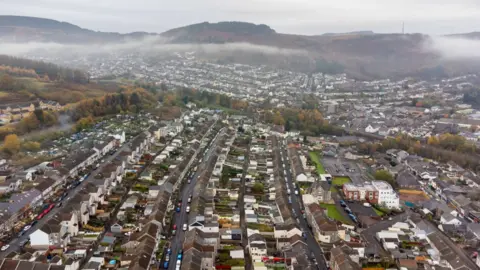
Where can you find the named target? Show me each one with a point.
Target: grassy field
(3, 94)
(318, 164)
(332, 212)
(340, 180)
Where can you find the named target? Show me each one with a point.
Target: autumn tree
(31, 146)
(84, 123)
(11, 144)
(278, 119)
(432, 140)
(7, 83)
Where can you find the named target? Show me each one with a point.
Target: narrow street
(181, 218)
(297, 206)
(241, 205)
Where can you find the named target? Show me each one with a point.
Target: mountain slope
(362, 54)
(31, 29)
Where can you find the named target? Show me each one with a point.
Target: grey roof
(406, 179)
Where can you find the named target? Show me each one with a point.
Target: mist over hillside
(363, 54)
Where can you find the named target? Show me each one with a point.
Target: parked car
(179, 256)
(26, 228)
(177, 209)
(185, 226)
(169, 251)
(4, 247)
(188, 209)
(165, 265)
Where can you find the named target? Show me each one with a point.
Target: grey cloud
(286, 16)
(148, 45)
(454, 48)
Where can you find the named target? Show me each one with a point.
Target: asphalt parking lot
(359, 209)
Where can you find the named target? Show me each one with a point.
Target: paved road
(243, 225)
(181, 218)
(298, 206)
(15, 243)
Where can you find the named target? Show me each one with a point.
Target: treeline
(308, 121)
(468, 160)
(185, 95)
(43, 69)
(472, 97)
(16, 71)
(129, 100)
(37, 120)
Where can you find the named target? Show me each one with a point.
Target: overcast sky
(285, 16)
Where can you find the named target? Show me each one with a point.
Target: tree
(31, 146)
(432, 140)
(258, 188)
(11, 144)
(84, 123)
(6, 83)
(278, 119)
(383, 175)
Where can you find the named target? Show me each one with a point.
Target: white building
(370, 129)
(386, 194)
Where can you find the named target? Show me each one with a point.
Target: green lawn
(378, 212)
(340, 180)
(318, 164)
(332, 212)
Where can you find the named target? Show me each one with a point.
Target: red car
(174, 226)
(50, 207)
(40, 216)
